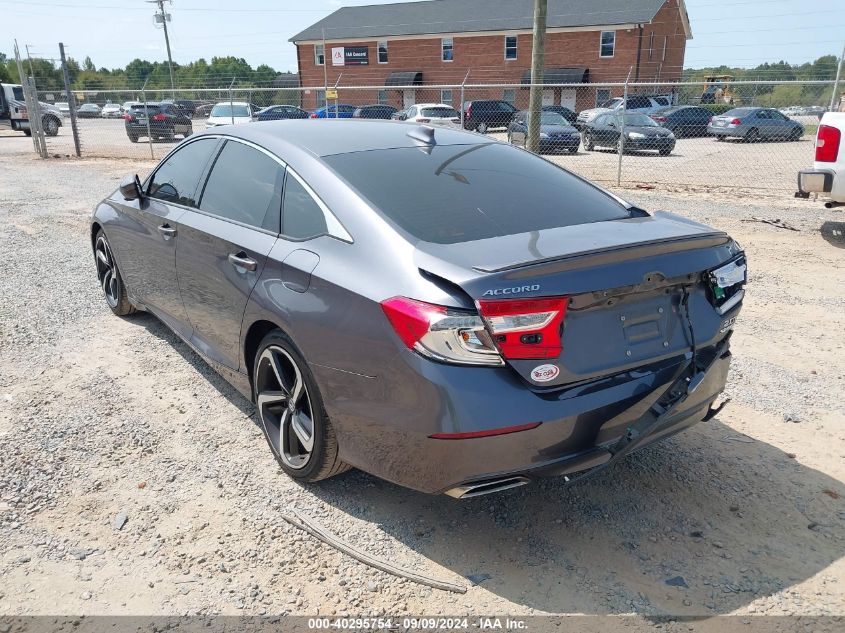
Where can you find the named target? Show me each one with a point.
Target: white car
(430, 113)
(229, 113)
(828, 174)
(636, 103)
(111, 111)
(64, 108)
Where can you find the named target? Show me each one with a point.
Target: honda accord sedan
(434, 307)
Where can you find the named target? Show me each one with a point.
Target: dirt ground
(133, 480)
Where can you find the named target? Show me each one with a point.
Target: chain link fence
(751, 151)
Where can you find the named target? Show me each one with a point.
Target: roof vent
(423, 135)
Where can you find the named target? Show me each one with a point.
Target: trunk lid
(638, 289)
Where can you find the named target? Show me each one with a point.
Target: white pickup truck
(13, 112)
(827, 176)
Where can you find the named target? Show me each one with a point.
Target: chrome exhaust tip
(478, 488)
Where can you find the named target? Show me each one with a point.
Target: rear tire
(133, 139)
(795, 134)
(28, 132)
(665, 151)
(481, 127)
(751, 136)
(290, 408)
(51, 125)
(109, 277)
(588, 142)
(188, 132)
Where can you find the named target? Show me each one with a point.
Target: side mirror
(130, 187)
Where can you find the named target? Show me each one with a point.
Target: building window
(319, 55)
(509, 96)
(446, 97)
(650, 45)
(602, 95)
(510, 46)
(321, 98)
(608, 43)
(446, 49)
(382, 52)
(382, 97)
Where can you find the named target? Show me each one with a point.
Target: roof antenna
(424, 136)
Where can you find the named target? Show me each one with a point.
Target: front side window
(608, 44)
(446, 97)
(177, 177)
(509, 96)
(446, 46)
(458, 193)
(302, 216)
(245, 185)
(510, 47)
(382, 52)
(319, 55)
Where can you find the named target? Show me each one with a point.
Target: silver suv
(636, 103)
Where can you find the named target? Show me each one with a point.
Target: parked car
(563, 111)
(166, 120)
(460, 309)
(635, 103)
(128, 105)
(88, 111)
(275, 112)
(334, 111)
(64, 108)
(484, 115)
(188, 106)
(755, 124)
(376, 111)
(14, 113)
(431, 114)
(111, 111)
(204, 110)
(827, 177)
(684, 120)
(556, 134)
(641, 133)
(229, 113)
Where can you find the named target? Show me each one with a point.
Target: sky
(114, 32)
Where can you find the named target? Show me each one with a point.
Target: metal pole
(231, 103)
(35, 124)
(621, 148)
(463, 106)
(325, 76)
(160, 4)
(27, 100)
(336, 97)
(836, 81)
(147, 112)
(538, 55)
(70, 100)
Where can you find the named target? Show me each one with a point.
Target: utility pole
(163, 18)
(71, 102)
(833, 95)
(538, 57)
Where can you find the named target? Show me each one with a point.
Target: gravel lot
(696, 161)
(133, 480)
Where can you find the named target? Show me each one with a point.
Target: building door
(567, 98)
(408, 98)
(548, 97)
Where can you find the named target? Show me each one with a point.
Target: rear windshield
(152, 109)
(738, 112)
(460, 193)
(224, 109)
(441, 113)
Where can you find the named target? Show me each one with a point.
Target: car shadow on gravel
(704, 523)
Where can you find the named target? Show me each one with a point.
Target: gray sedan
(436, 308)
(755, 124)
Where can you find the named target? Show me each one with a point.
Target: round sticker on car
(544, 373)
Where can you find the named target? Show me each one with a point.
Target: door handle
(166, 231)
(242, 261)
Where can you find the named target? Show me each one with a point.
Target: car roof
(234, 103)
(434, 105)
(344, 136)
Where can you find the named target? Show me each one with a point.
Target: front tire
(109, 277)
(751, 136)
(481, 127)
(588, 142)
(289, 405)
(51, 126)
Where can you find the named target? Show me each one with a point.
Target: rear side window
(661, 101)
(177, 177)
(302, 216)
(245, 185)
(460, 193)
(442, 113)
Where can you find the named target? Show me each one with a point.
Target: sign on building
(350, 56)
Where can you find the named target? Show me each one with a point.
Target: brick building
(399, 49)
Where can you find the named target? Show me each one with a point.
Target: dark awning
(404, 78)
(574, 75)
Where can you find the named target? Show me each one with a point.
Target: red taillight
(127, 117)
(488, 433)
(469, 111)
(659, 119)
(710, 121)
(526, 328)
(411, 319)
(423, 120)
(159, 117)
(827, 144)
(313, 115)
(736, 121)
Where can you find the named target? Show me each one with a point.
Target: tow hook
(713, 412)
